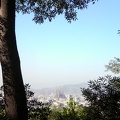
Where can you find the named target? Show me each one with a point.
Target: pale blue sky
(57, 53)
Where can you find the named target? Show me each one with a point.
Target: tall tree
(15, 99)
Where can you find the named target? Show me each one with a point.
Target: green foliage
(103, 96)
(114, 65)
(72, 112)
(38, 110)
(2, 114)
(29, 93)
(55, 114)
(48, 9)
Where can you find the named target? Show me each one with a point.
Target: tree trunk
(14, 93)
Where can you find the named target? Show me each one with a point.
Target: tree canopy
(48, 9)
(103, 96)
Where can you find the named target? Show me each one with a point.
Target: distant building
(59, 94)
(69, 97)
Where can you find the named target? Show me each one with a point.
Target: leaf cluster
(103, 96)
(72, 111)
(48, 9)
(114, 66)
(38, 110)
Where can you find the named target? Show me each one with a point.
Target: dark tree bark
(14, 93)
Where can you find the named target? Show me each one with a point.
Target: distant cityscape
(60, 96)
(60, 99)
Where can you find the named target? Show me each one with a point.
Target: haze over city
(58, 53)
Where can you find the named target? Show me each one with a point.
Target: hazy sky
(57, 53)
